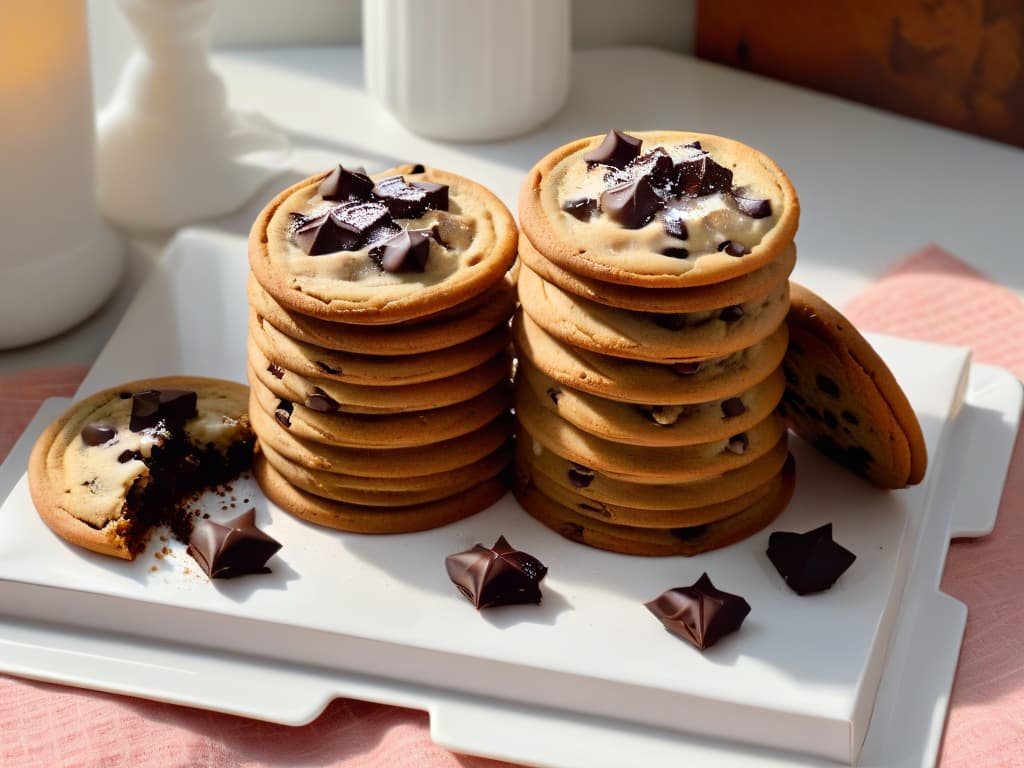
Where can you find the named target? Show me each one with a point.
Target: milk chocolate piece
(172, 406)
(343, 184)
(632, 203)
(98, 434)
(582, 208)
(500, 575)
(747, 204)
(701, 614)
(616, 150)
(233, 548)
(410, 200)
(406, 251)
(809, 562)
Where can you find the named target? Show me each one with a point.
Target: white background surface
(873, 186)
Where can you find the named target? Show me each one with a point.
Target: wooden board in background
(959, 63)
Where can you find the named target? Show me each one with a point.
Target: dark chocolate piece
(126, 455)
(676, 253)
(738, 444)
(686, 368)
(582, 208)
(500, 575)
(632, 203)
(616, 150)
(670, 321)
(698, 174)
(321, 234)
(363, 223)
(98, 434)
(321, 365)
(731, 314)
(701, 614)
(733, 248)
(275, 370)
(410, 200)
(283, 413)
(554, 394)
(406, 251)
(343, 184)
(233, 548)
(320, 401)
(809, 562)
(418, 168)
(754, 207)
(172, 406)
(580, 476)
(733, 406)
(827, 385)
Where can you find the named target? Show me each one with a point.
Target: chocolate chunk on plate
(701, 613)
(498, 575)
(233, 548)
(809, 562)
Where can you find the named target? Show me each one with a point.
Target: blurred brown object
(959, 63)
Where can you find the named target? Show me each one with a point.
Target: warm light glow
(37, 40)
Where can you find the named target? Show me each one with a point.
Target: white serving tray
(587, 678)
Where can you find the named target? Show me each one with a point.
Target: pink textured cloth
(930, 296)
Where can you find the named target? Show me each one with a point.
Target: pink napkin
(934, 296)
(931, 295)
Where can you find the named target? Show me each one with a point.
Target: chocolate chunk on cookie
(842, 397)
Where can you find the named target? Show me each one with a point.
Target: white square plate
(376, 617)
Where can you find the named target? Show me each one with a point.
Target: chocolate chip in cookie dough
(283, 413)
(233, 548)
(406, 251)
(631, 204)
(732, 407)
(98, 434)
(827, 385)
(738, 444)
(670, 321)
(554, 394)
(410, 200)
(731, 314)
(676, 253)
(320, 235)
(320, 401)
(498, 575)
(687, 368)
(343, 184)
(580, 476)
(733, 248)
(418, 168)
(616, 150)
(701, 614)
(325, 368)
(582, 208)
(275, 370)
(172, 406)
(809, 562)
(747, 204)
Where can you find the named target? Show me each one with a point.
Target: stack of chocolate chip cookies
(379, 358)
(654, 291)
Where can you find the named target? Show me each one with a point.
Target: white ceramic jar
(468, 70)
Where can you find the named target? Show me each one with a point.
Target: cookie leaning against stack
(654, 291)
(378, 351)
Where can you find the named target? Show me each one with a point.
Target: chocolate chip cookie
(125, 459)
